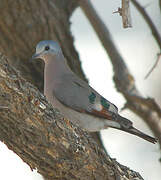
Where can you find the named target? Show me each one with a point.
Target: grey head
(46, 48)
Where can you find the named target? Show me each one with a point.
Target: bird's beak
(35, 56)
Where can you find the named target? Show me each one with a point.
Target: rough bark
(44, 139)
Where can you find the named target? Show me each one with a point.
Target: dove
(75, 99)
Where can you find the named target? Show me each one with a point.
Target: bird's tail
(127, 126)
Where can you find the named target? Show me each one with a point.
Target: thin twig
(148, 21)
(154, 66)
(119, 10)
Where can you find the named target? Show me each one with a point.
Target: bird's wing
(78, 95)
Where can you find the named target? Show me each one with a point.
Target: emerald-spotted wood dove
(79, 102)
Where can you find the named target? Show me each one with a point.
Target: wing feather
(78, 95)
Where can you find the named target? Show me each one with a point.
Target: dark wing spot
(92, 98)
(105, 103)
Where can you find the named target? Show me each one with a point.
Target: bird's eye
(47, 48)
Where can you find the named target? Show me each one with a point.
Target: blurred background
(139, 51)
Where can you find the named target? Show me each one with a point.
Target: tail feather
(127, 126)
(140, 134)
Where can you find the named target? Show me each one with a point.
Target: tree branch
(154, 66)
(146, 108)
(124, 11)
(46, 141)
(126, 16)
(148, 21)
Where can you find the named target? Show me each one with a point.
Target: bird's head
(46, 48)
